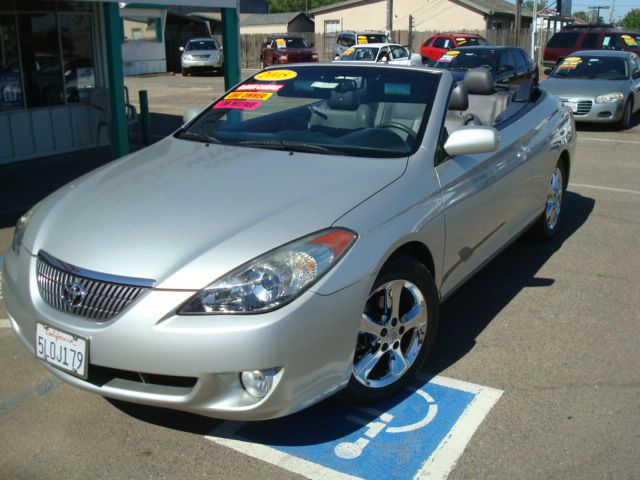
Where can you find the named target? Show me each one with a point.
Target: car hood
(183, 213)
(582, 87)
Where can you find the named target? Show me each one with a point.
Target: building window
(77, 56)
(141, 29)
(331, 26)
(11, 97)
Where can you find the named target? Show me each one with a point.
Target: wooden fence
(250, 44)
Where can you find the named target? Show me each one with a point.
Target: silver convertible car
(293, 240)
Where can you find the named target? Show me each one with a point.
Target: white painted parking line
(4, 323)
(609, 140)
(608, 189)
(433, 421)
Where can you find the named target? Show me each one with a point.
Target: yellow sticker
(629, 40)
(248, 96)
(461, 40)
(276, 75)
(572, 60)
(281, 41)
(348, 51)
(362, 39)
(452, 53)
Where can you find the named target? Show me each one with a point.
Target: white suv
(349, 38)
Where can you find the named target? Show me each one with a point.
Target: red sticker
(238, 104)
(260, 87)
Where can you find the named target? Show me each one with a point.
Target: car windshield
(467, 59)
(361, 53)
(372, 38)
(593, 67)
(331, 109)
(470, 41)
(201, 45)
(282, 43)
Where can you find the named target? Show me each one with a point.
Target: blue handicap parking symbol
(396, 440)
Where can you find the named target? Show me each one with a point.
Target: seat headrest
(348, 100)
(459, 99)
(479, 81)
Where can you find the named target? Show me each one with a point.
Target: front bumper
(588, 111)
(149, 355)
(202, 64)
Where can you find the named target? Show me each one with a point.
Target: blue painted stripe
(39, 390)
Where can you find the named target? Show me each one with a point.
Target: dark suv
(588, 37)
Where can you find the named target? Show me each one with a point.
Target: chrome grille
(102, 300)
(584, 107)
(201, 57)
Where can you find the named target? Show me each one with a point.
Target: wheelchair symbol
(351, 450)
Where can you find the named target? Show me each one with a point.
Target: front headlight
(21, 227)
(187, 57)
(275, 278)
(610, 97)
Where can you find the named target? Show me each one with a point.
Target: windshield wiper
(287, 146)
(197, 136)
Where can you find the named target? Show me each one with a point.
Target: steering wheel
(399, 126)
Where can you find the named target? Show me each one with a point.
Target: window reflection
(41, 59)
(11, 97)
(77, 54)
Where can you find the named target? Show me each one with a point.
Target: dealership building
(61, 72)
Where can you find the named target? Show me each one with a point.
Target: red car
(434, 47)
(286, 49)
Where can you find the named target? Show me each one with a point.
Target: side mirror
(636, 74)
(181, 49)
(191, 114)
(472, 140)
(547, 71)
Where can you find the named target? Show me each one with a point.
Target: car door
(383, 55)
(440, 45)
(399, 55)
(635, 82)
(484, 200)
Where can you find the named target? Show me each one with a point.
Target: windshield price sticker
(256, 87)
(362, 39)
(452, 53)
(276, 75)
(629, 40)
(327, 85)
(61, 349)
(248, 96)
(570, 62)
(447, 58)
(238, 104)
(281, 43)
(461, 40)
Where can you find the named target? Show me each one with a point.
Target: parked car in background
(588, 37)
(349, 38)
(392, 53)
(286, 49)
(434, 47)
(201, 54)
(507, 64)
(291, 241)
(598, 85)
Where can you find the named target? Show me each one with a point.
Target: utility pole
(613, 6)
(410, 39)
(390, 18)
(518, 21)
(597, 9)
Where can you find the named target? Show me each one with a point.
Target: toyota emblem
(73, 294)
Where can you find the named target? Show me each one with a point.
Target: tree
(632, 19)
(278, 6)
(528, 4)
(582, 16)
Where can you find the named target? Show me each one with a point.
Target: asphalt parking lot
(554, 327)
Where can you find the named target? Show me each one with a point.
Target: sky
(621, 7)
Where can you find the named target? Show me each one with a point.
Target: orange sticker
(348, 51)
(276, 75)
(248, 96)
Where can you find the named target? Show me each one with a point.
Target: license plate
(62, 350)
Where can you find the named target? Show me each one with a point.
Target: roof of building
(485, 6)
(271, 19)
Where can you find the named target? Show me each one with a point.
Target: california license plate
(62, 350)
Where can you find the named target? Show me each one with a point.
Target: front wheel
(547, 225)
(625, 121)
(396, 332)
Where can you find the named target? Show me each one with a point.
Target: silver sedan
(201, 54)
(293, 240)
(598, 85)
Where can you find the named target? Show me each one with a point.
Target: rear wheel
(396, 332)
(185, 72)
(548, 223)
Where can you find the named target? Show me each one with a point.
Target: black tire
(546, 227)
(625, 121)
(404, 273)
(185, 72)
